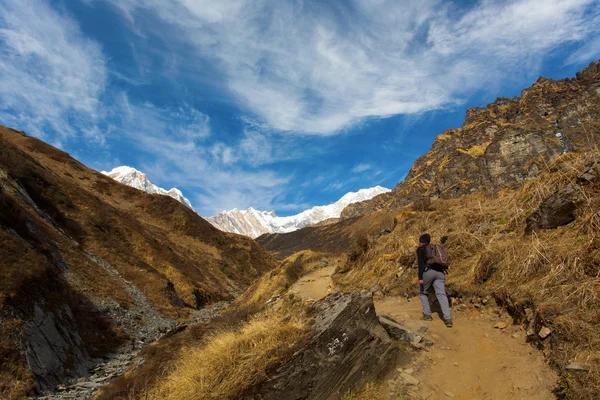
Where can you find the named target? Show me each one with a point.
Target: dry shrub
(231, 362)
(359, 246)
(16, 381)
(423, 203)
(485, 267)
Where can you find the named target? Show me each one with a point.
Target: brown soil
(315, 285)
(472, 360)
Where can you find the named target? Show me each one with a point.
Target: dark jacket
(422, 260)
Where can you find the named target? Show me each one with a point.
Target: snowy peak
(254, 223)
(134, 178)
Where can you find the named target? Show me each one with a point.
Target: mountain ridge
(132, 177)
(254, 223)
(502, 145)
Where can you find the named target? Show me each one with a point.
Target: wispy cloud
(179, 154)
(311, 67)
(361, 168)
(51, 76)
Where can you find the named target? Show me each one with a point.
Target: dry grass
(231, 362)
(555, 272)
(162, 358)
(370, 391)
(279, 280)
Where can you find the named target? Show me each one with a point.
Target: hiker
(428, 276)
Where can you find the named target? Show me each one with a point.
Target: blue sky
(273, 104)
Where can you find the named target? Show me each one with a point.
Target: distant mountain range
(254, 223)
(134, 178)
(249, 222)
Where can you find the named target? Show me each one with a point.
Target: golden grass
(370, 391)
(477, 150)
(279, 280)
(231, 362)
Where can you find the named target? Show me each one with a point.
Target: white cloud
(591, 51)
(307, 67)
(50, 75)
(361, 168)
(177, 158)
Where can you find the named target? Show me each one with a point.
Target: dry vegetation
(164, 361)
(554, 272)
(370, 391)
(231, 362)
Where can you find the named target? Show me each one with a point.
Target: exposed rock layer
(347, 347)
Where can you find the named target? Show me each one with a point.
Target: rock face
(348, 346)
(560, 207)
(52, 343)
(557, 210)
(504, 144)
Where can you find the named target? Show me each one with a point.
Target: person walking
(429, 277)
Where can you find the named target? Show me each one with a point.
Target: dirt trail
(472, 360)
(314, 285)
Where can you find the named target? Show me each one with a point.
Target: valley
(109, 292)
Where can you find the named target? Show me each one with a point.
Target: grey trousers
(437, 279)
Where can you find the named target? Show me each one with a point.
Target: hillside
(333, 238)
(503, 145)
(254, 223)
(90, 265)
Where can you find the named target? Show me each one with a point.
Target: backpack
(436, 257)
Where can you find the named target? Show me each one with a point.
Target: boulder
(556, 210)
(590, 174)
(347, 347)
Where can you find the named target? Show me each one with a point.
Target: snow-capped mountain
(254, 223)
(134, 178)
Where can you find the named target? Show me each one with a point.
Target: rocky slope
(90, 265)
(502, 145)
(254, 223)
(134, 178)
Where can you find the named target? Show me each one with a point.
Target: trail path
(472, 360)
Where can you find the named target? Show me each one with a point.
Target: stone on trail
(449, 394)
(397, 331)
(500, 325)
(411, 380)
(346, 348)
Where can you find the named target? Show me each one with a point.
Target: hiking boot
(448, 323)
(426, 318)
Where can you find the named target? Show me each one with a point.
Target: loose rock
(411, 380)
(544, 332)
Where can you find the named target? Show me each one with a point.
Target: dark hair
(425, 238)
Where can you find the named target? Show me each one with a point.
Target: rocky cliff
(502, 145)
(89, 265)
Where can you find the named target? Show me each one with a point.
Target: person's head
(424, 239)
